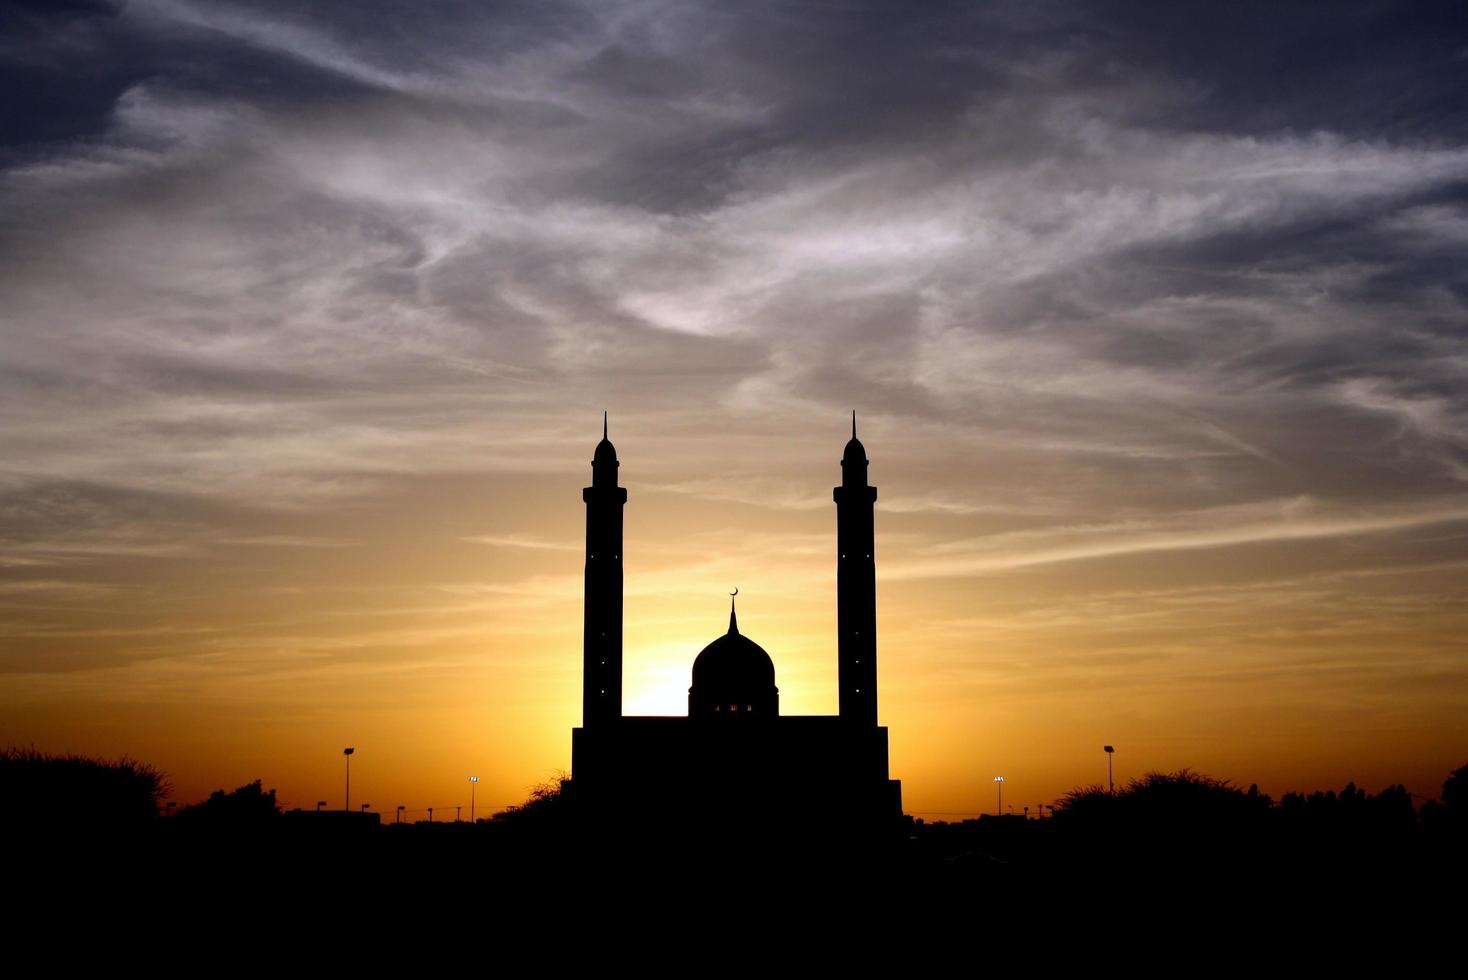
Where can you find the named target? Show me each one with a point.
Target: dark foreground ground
(994, 889)
(1171, 860)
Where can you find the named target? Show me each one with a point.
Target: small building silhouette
(734, 758)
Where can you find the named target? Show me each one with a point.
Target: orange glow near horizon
(439, 634)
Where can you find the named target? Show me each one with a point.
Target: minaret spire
(601, 678)
(733, 622)
(856, 587)
(604, 424)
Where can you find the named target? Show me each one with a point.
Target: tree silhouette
(250, 804)
(1455, 791)
(545, 803)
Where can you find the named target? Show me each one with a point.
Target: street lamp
(348, 754)
(1110, 785)
(400, 813)
(319, 805)
(473, 785)
(999, 782)
(365, 806)
(430, 814)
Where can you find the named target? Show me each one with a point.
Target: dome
(733, 676)
(733, 662)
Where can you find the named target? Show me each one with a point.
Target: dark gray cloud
(1170, 255)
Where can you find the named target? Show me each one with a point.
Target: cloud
(523, 541)
(1264, 522)
(1072, 263)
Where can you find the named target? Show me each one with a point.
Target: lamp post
(348, 753)
(400, 813)
(319, 805)
(1110, 784)
(473, 785)
(999, 782)
(430, 814)
(365, 806)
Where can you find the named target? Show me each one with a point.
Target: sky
(1153, 315)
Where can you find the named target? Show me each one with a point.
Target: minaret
(856, 587)
(601, 674)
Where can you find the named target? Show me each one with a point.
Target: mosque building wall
(734, 755)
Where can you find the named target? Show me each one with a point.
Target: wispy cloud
(1299, 519)
(522, 541)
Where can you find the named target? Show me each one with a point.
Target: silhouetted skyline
(734, 755)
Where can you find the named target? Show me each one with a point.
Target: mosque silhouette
(734, 756)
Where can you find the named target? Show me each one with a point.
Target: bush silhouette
(42, 790)
(1183, 795)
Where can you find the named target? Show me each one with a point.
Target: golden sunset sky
(1153, 317)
